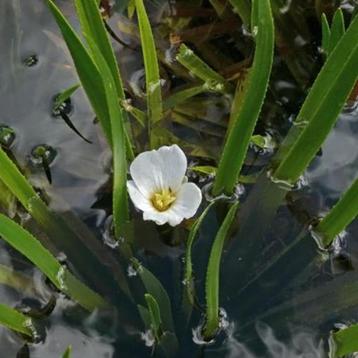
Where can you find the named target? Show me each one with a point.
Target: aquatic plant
(227, 252)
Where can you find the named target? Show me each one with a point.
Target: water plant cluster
(176, 186)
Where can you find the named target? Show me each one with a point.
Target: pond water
(286, 311)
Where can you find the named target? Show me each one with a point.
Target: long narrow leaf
(31, 248)
(15, 320)
(181, 96)
(87, 70)
(188, 273)
(64, 236)
(93, 29)
(116, 115)
(326, 34)
(152, 76)
(213, 276)
(321, 108)
(99, 43)
(245, 119)
(213, 80)
(337, 29)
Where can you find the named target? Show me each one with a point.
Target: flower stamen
(163, 200)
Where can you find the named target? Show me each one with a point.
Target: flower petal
(138, 199)
(174, 165)
(161, 218)
(188, 201)
(159, 169)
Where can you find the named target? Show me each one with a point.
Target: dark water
(287, 312)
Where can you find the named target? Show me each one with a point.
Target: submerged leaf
(154, 314)
(213, 276)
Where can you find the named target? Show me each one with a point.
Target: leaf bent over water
(15, 320)
(31, 248)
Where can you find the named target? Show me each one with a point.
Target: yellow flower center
(163, 200)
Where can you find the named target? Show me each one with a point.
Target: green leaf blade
(87, 70)
(337, 29)
(321, 108)
(326, 34)
(154, 312)
(213, 80)
(154, 287)
(188, 272)
(340, 216)
(116, 116)
(15, 320)
(345, 341)
(152, 75)
(31, 248)
(94, 29)
(213, 276)
(245, 119)
(242, 7)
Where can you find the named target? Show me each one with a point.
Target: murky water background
(275, 317)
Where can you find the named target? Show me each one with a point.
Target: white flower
(159, 187)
